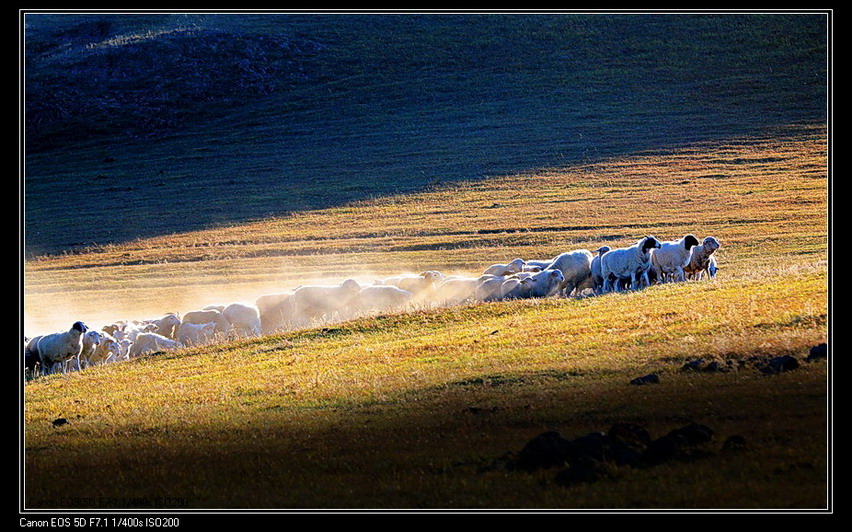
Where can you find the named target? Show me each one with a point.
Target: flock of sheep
(646, 262)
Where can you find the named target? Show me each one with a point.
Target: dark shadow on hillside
(180, 129)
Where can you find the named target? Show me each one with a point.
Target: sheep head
(689, 241)
(80, 327)
(649, 242)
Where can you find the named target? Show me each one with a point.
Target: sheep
(149, 342)
(109, 350)
(276, 311)
(245, 319)
(132, 331)
(535, 263)
(91, 341)
(167, 325)
(316, 301)
(200, 317)
(631, 262)
(456, 289)
(533, 268)
(595, 269)
(669, 260)
(54, 350)
(381, 298)
(505, 269)
(32, 361)
(195, 334)
(514, 287)
(576, 268)
(545, 283)
(220, 308)
(701, 258)
(489, 288)
(421, 285)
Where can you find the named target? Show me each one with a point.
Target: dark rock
(818, 352)
(780, 364)
(58, 422)
(631, 434)
(734, 443)
(693, 365)
(548, 449)
(694, 434)
(651, 378)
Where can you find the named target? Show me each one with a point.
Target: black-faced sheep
(631, 262)
(670, 259)
(55, 350)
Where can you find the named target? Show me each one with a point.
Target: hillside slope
(150, 125)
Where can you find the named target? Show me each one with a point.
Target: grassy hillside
(162, 124)
(428, 408)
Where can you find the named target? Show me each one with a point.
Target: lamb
(245, 319)
(276, 311)
(515, 266)
(195, 334)
(631, 262)
(672, 257)
(701, 259)
(149, 342)
(381, 298)
(54, 350)
(576, 268)
(316, 301)
(595, 269)
(201, 317)
(109, 350)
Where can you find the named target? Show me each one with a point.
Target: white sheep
(195, 334)
(200, 317)
(456, 289)
(545, 283)
(421, 285)
(381, 298)
(109, 350)
(276, 311)
(669, 260)
(701, 260)
(54, 350)
(595, 269)
(220, 308)
(318, 301)
(630, 263)
(91, 341)
(515, 266)
(538, 263)
(167, 325)
(490, 287)
(245, 319)
(149, 342)
(576, 268)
